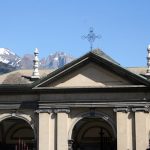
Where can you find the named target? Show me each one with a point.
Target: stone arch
(18, 127)
(24, 117)
(101, 115)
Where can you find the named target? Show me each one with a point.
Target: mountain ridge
(9, 59)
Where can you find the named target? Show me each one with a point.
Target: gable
(90, 75)
(91, 70)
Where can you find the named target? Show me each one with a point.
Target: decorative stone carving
(43, 111)
(148, 61)
(13, 114)
(126, 110)
(62, 110)
(35, 74)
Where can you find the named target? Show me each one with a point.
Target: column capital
(62, 110)
(122, 109)
(43, 111)
(145, 109)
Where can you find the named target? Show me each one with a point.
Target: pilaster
(141, 127)
(124, 129)
(45, 130)
(62, 128)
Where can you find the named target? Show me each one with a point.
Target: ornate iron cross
(91, 37)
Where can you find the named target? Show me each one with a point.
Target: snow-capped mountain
(13, 61)
(9, 58)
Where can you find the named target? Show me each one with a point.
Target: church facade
(92, 103)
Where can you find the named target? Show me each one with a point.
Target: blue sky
(57, 25)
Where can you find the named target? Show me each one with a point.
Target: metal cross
(91, 37)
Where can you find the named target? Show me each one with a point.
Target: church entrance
(93, 134)
(16, 134)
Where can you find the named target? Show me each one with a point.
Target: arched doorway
(93, 134)
(16, 134)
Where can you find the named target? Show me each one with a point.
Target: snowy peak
(10, 58)
(5, 51)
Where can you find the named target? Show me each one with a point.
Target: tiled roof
(21, 76)
(137, 70)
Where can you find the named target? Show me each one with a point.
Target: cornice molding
(124, 109)
(62, 110)
(55, 110)
(43, 111)
(142, 109)
(134, 109)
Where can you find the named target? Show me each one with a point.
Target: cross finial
(91, 37)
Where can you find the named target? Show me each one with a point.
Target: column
(141, 128)
(62, 128)
(124, 129)
(45, 129)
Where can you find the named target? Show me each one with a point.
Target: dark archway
(93, 134)
(16, 134)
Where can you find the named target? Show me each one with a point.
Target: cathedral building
(92, 103)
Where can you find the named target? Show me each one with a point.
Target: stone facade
(91, 103)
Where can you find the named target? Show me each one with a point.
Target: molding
(145, 109)
(55, 110)
(43, 111)
(125, 110)
(62, 110)
(10, 106)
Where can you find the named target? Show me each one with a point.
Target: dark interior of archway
(16, 134)
(93, 134)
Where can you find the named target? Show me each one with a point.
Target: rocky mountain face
(5, 68)
(56, 60)
(27, 61)
(10, 61)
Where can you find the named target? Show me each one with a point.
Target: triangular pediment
(90, 75)
(92, 70)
